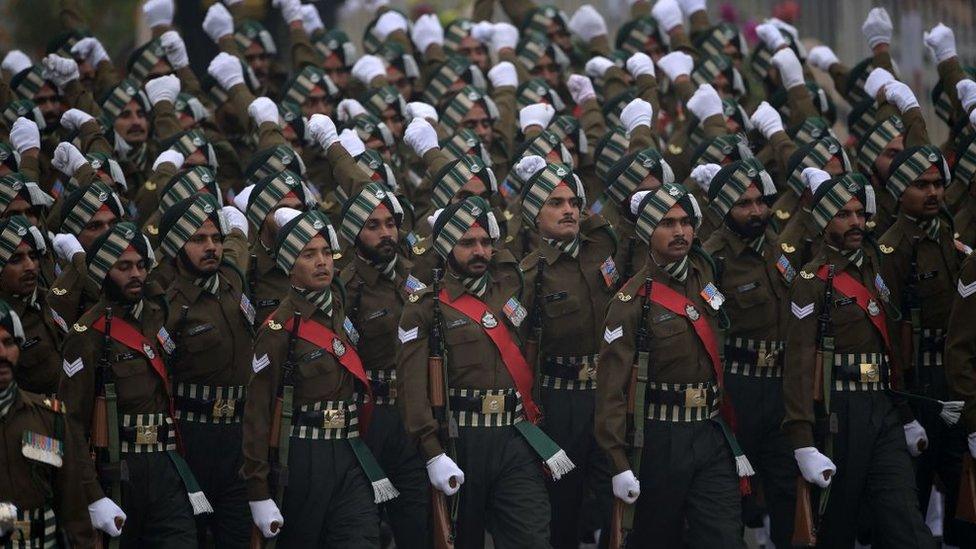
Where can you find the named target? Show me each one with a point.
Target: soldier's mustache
(854, 232)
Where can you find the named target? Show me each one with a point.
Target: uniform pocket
(562, 308)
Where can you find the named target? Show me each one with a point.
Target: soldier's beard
(384, 252)
(753, 227)
(193, 270)
(116, 295)
(465, 269)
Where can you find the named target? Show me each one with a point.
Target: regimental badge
(609, 271)
(675, 149)
(413, 298)
(515, 312)
(787, 248)
(873, 308)
(624, 297)
(714, 297)
(274, 325)
(419, 250)
(338, 348)
(247, 309)
(149, 186)
(886, 249)
(805, 275)
(58, 291)
(488, 320)
(80, 327)
(783, 214)
(692, 312)
(42, 448)
(152, 229)
(148, 351)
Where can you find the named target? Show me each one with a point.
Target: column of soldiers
(511, 278)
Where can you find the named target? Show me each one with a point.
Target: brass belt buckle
(391, 392)
(333, 419)
(24, 527)
(492, 404)
(223, 408)
(695, 398)
(767, 359)
(147, 434)
(587, 372)
(869, 373)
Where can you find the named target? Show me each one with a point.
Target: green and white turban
(368, 126)
(650, 207)
(565, 126)
(456, 68)
(911, 163)
(15, 230)
(101, 162)
(197, 179)
(266, 194)
(610, 149)
(336, 42)
(710, 67)
(630, 171)
(539, 18)
(733, 180)
(465, 141)
(541, 179)
(191, 141)
(296, 230)
(450, 223)
(379, 99)
(810, 130)
(16, 184)
(108, 248)
(632, 37)
(11, 322)
(271, 161)
(455, 31)
(115, 100)
(449, 180)
(537, 90)
(534, 45)
(24, 108)
(81, 205)
(144, 59)
(462, 102)
(714, 40)
(875, 141)
(361, 206)
(184, 219)
(28, 82)
(965, 167)
(546, 144)
(814, 155)
(831, 194)
(398, 57)
(250, 31)
(298, 88)
(862, 117)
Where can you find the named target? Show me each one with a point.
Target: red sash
(515, 363)
(852, 288)
(321, 336)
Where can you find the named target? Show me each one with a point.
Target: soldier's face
(9, 356)
(846, 230)
(20, 206)
(129, 274)
(317, 102)
(377, 239)
(49, 102)
(923, 198)
(671, 239)
(19, 275)
(835, 167)
(474, 187)
(478, 121)
(204, 248)
(882, 164)
(132, 123)
(649, 183)
(196, 158)
(559, 35)
(546, 69)
(750, 213)
(472, 253)
(475, 51)
(259, 61)
(313, 267)
(393, 121)
(399, 80)
(337, 71)
(558, 218)
(86, 73)
(103, 220)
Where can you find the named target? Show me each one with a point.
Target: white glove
(388, 23)
(264, 110)
(349, 139)
(427, 30)
(15, 61)
(504, 35)
(784, 26)
(676, 64)
(175, 49)
(24, 135)
(915, 438)
(482, 31)
(418, 109)
(266, 517)
(67, 158)
(539, 114)
(941, 42)
(241, 198)
(226, 69)
(503, 74)
(60, 70)
(311, 19)
(640, 64)
(667, 13)
(814, 466)
(218, 22)
(951, 411)
(291, 10)
(367, 68)
(90, 50)
(788, 64)
(235, 219)
(597, 66)
(529, 166)
(877, 27)
(813, 178)
(230, 3)
(444, 474)
(587, 23)
(703, 174)
(770, 36)
(972, 118)
(371, 6)
(170, 156)
(323, 130)
(822, 57)
(901, 96)
(876, 81)
(766, 119)
(971, 441)
(164, 88)
(73, 119)
(349, 109)
(626, 487)
(158, 12)
(420, 136)
(705, 102)
(104, 512)
(581, 88)
(637, 113)
(689, 7)
(66, 245)
(966, 89)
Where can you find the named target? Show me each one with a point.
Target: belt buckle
(223, 408)
(869, 372)
(24, 527)
(587, 372)
(492, 404)
(695, 398)
(768, 359)
(147, 434)
(391, 391)
(333, 419)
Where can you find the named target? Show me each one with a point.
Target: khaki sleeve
(79, 97)
(594, 125)
(106, 78)
(435, 160)
(801, 105)
(916, 133)
(950, 73)
(269, 135)
(412, 379)
(302, 51)
(641, 138)
(77, 390)
(614, 82)
(165, 122)
(714, 126)
(960, 354)
(783, 149)
(613, 382)
(72, 484)
(799, 362)
(520, 70)
(227, 44)
(258, 415)
(71, 17)
(507, 124)
(72, 279)
(236, 250)
(93, 140)
(518, 10)
(433, 58)
(647, 86)
(484, 10)
(346, 173)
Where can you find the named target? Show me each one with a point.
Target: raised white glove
(971, 441)
(291, 10)
(966, 89)
(597, 66)
(705, 102)
(972, 118)
(241, 198)
(444, 474)
(226, 69)
(66, 245)
(235, 219)
(766, 119)
(587, 23)
(626, 487)
(784, 26)
(263, 110)
(15, 61)
(703, 174)
(915, 438)
(877, 27)
(60, 70)
(218, 22)
(813, 178)
(822, 57)
(72, 119)
(941, 42)
(90, 50)
(529, 166)
(24, 135)
(877, 80)
(538, 114)
(158, 12)
(676, 64)
(67, 158)
(323, 130)
(367, 68)
(503, 74)
(951, 411)
(170, 156)
(311, 19)
(901, 96)
(482, 31)
(266, 517)
(637, 113)
(689, 7)
(388, 23)
(418, 109)
(103, 513)
(770, 36)
(175, 49)
(349, 139)
(504, 35)
(420, 136)
(427, 30)
(639, 64)
(349, 109)
(372, 6)
(814, 466)
(667, 13)
(164, 88)
(580, 88)
(790, 70)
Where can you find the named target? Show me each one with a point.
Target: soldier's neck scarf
(31, 300)
(677, 270)
(7, 397)
(931, 228)
(126, 152)
(322, 299)
(209, 284)
(134, 310)
(387, 269)
(476, 285)
(856, 257)
(756, 244)
(570, 248)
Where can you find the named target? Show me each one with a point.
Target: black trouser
(213, 452)
(758, 403)
(874, 477)
(401, 461)
(569, 422)
(329, 500)
(504, 490)
(157, 509)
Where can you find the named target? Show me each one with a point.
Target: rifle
(911, 331)
(535, 328)
(629, 260)
(437, 390)
(99, 426)
(966, 505)
(180, 327)
(105, 424)
(252, 281)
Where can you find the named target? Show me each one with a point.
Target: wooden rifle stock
(442, 521)
(818, 388)
(435, 381)
(99, 427)
(617, 525)
(275, 435)
(257, 539)
(966, 505)
(804, 534)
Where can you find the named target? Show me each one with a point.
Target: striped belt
(326, 420)
(209, 403)
(860, 372)
(383, 383)
(682, 402)
(144, 433)
(754, 358)
(932, 347)
(485, 407)
(34, 528)
(570, 372)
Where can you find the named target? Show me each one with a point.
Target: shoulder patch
(58, 291)
(152, 229)
(787, 248)
(801, 312)
(624, 297)
(260, 363)
(73, 367)
(273, 325)
(612, 335)
(80, 327)
(418, 249)
(783, 214)
(886, 249)
(807, 275)
(966, 290)
(407, 336)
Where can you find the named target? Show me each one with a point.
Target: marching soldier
(960, 349)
